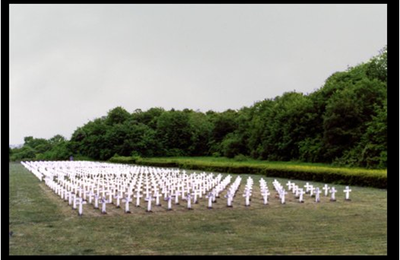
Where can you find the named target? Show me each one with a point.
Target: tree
(174, 132)
(377, 66)
(344, 121)
(117, 116)
(347, 115)
(223, 124)
(201, 128)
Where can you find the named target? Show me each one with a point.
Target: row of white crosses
(315, 191)
(248, 191)
(31, 167)
(264, 190)
(80, 182)
(281, 191)
(231, 192)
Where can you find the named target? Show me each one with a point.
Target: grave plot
(96, 189)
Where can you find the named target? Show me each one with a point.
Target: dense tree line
(343, 122)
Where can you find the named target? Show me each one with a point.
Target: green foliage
(240, 158)
(377, 66)
(323, 173)
(174, 132)
(117, 116)
(344, 123)
(123, 159)
(41, 149)
(23, 154)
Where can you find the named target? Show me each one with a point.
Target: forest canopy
(344, 122)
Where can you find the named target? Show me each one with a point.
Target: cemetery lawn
(298, 170)
(43, 224)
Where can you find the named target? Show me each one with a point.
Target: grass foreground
(43, 224)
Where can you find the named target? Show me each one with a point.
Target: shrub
(123, 159)
(241, 158)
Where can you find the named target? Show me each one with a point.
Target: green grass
(274, 164)
(291, 170)
(43, 224)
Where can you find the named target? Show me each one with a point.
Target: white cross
(210, 197)
(311, 189)
(189, 197)
(103, 206)
(195, 193)
(282, 194)
(127, 200)
(289, 184)
(118, 197)
(295, 190)
(138, 196)
(247, 194)
(90, 195)
(307, 186)
(214, 192)
(110, 194)
(149, 199)
(80, 191)
(317, 192)
(265, 194)
(84, 192)
(66, 196)
(70, 195)
(80, 202)
(62, 193)
(301, 192)
(333, 191)
(177, 193)
(326, 189)
(347, 191)
(229, 197)
(157, 195)
(169, 198)
(74, 201)
(96, 201)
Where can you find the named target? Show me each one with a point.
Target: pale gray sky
(73, 63)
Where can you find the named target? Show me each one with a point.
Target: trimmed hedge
(122, 159)
(347, 176)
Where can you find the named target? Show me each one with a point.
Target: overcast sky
(73, 63)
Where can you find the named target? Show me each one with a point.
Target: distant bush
(216, 154)
(240, 158)
(124, 159)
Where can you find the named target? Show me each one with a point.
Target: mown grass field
(271, 164)
(43, 224)
(293, 170)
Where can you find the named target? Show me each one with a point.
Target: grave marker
(317, 192)
(210, 197)
(326, 189)
(149, 200)
(81, 202)
(127, 199)
(169, 198)
(138, 196)
(247, 194)
(103, 205)
(301, 192)
(347, 191)
(189, 197)
(282, 195)
(265, 194)
(333, 191)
